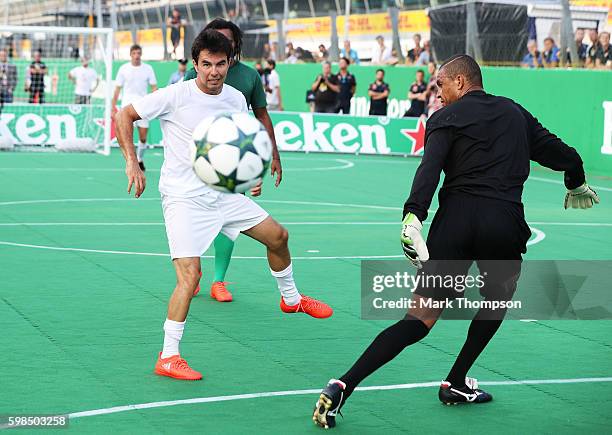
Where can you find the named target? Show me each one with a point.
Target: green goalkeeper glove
(581, 197)
(413, 244)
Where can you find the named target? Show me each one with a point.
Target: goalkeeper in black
(484, 144)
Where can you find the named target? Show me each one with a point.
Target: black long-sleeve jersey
(484, 143)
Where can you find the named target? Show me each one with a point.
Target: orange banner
(372, 24)
(598, 3)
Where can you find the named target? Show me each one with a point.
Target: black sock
(386, 346)
(483, 327)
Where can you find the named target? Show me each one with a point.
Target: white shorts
(141, 123)
(192, 224)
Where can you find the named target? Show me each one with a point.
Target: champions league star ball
(231, 152)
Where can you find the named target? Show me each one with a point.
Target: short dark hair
(219, 24)
(381, 70)
(466, 65)
(549, 39)
(135, 47)
(420, 71)
(346, 59)
(212, 41)
(271, 62)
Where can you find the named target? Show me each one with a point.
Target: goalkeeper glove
(581, 197)
(413, 244)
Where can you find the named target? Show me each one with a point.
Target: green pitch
(84, 283)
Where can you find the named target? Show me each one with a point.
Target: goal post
(67, 104)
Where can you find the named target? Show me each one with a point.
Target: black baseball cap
(182, 61)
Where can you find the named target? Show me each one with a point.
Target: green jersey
(246, 80)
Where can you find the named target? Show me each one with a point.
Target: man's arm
(125, 136)
(115, 97)
(332, 86)
(316, 83)
(280, 98)
(550, 151)
(154, 87)
(275, 167)
(427, 174)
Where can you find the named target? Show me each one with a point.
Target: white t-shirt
(179, 108)
(274, 84)
(85, 78)
(380, 56)
(135, 81)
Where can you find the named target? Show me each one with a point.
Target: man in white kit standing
(135, 78)
(194, 214)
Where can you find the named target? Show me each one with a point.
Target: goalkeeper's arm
(550, 151)
(423, 188)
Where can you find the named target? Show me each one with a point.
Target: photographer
(326, 89)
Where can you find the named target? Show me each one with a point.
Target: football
(231, 152)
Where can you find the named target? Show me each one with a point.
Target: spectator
(581, 48)
(175, 23)
(266, 52)
(433, 102)
(274, 51)
(425, 55)
(323, 54)
(379, 92)
(603, 58)
(292, 56)
(532, 59)
(179, 75)
(326, 89)
(259, 69)
(382, 54)
(289, 49)
(550, 55)
(304, 55)
(414, 53)
(417, 94)
(348, 84)
(84, 78)
(349, 53)
(272, 87)
(592, 50)
(36, 85)
(8, 78)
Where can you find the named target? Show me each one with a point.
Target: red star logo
(416, 136)
(100, 123)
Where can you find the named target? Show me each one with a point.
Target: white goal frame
(108, 62)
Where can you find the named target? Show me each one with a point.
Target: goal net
(55, 88)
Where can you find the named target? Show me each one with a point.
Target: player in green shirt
(246, 80)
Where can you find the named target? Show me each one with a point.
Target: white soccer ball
(231, 152)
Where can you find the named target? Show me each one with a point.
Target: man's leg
(390, 342)
(385, 347)
(170, 363)
(275, 238)
(142, 145)
(224, 247)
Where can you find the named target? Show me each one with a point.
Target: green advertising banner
(49, 124)
(319, 132)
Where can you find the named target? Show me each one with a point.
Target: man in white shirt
(83, 78)
(134, 79)
(195, 214)
(272, 87)
(382, 55)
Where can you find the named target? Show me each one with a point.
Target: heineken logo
(50, 125)
(333, 133)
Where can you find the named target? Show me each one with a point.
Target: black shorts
(467, 229)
